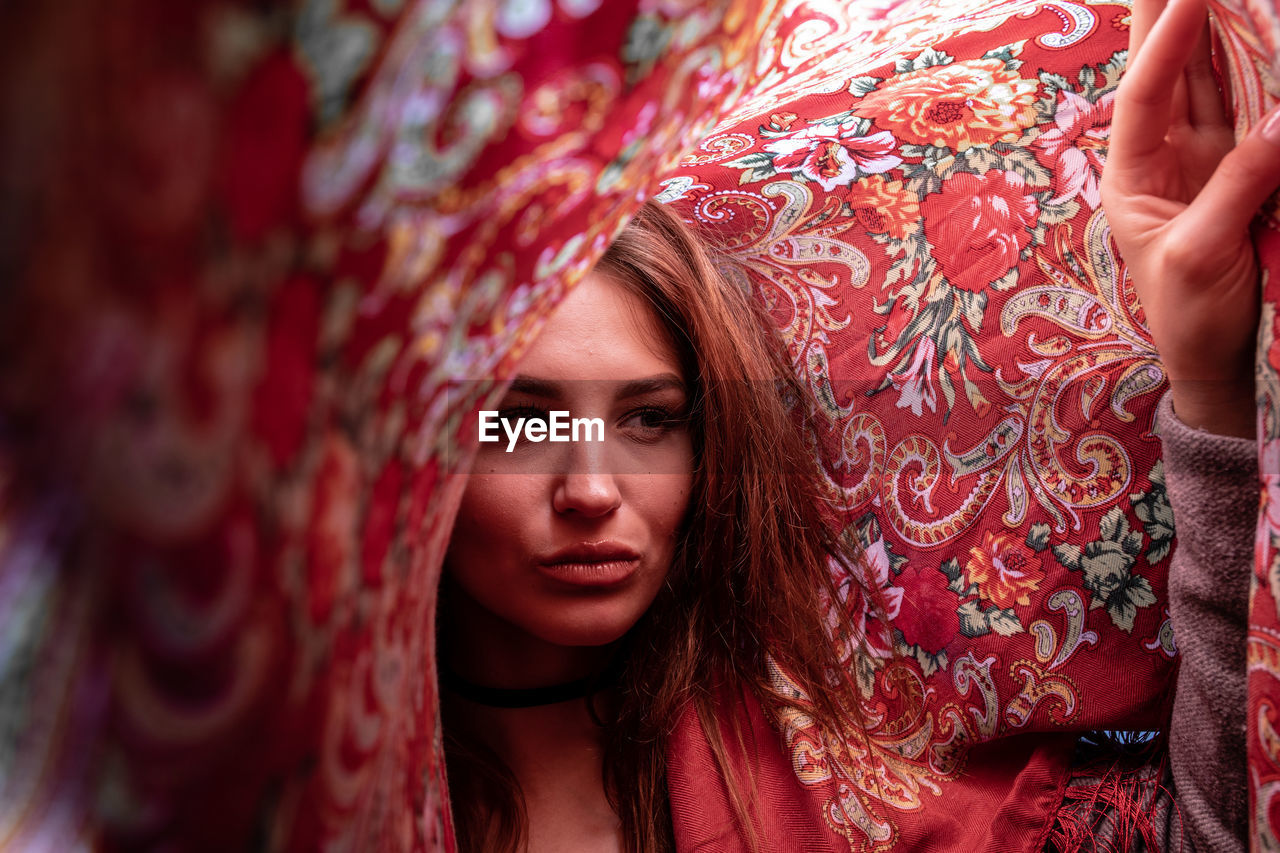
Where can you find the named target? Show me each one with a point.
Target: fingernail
(1271, 127)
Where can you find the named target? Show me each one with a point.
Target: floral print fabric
(926, 231)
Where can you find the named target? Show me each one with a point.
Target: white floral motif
(915, 384)
(867, 623)
(834, 155)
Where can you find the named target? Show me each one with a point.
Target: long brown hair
(752, 576)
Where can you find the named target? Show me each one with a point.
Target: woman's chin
(583, 621)
(593, 629)
(585, 636)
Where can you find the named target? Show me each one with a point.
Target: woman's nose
(591, 494)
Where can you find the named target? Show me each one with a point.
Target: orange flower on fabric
(955, 106)
(884, 207)
(1005, 569)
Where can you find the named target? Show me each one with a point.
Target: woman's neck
(555, 751)
(530, 739)
(556, 754)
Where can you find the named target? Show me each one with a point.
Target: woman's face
(568, 543)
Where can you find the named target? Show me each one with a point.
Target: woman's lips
(591, 564)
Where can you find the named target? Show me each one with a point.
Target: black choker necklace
(529, 697)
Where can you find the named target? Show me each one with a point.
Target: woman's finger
(1244, 179)
(1205, 107)
(1145, 98)
(1142, 18)
(1179, 114)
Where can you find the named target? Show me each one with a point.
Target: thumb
(1244, 179)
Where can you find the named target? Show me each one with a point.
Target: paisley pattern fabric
(266, 259)
(923, 221)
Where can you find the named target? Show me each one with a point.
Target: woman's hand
(1180, 195)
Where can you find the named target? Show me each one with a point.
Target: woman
(693, 534)
(672, 540)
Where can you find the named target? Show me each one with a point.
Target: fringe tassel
(1119, 799)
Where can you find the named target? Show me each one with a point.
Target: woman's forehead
(601, 332)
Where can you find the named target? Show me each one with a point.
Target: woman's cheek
(491, 504)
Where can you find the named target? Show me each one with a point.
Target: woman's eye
(513, 416)
(652, 422)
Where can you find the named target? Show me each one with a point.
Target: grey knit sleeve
(1213, 488)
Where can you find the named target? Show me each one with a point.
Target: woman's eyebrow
(650, 385)
(551, 389)
(534, 387)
